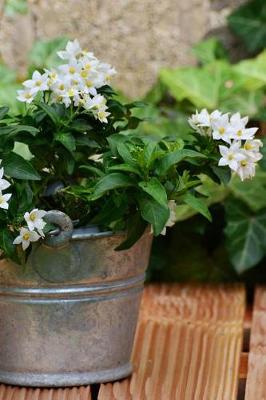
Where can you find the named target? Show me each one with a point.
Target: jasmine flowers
(242, 150)
(73, 83)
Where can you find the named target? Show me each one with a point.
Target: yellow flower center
(71, 93)
(61, 86)
(248, 146)
(239, 133)
(230, 157)
(84, 73)
(101, 114)
(244, 163)
(221, 130)
(38, 83)
(26, 236)
(28, 95)
(72, 70)
(89, 84)
(32, 217)
(53, 75)
(87, 66)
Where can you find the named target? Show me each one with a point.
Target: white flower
(38, 82)
(253, 145)
(26, 237)
(97, 102)
(26, 95)
(4, 184)
(238, 128)
(4, 198)
(73, 50)
(35, 220)
(216, 114)
(231, 156)
(200, 120)
(102, 116)
(220, 128)
(172, 217)
(247, 169)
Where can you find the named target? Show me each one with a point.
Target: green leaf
(112, 181)
(3, 112)
(44, 53)
(50, 111)
(92, 170)
(67, 140)
(253, 71)
(6, 243)
(19, 168)
(197, 204)
(245, 235)
(223, 173)
(249, 23)
(13, 130)
(175, 157)
(125, 168)
(156, 190)
(124, 152)
(209, 50)
(154, 213)
(12, 7)
(192, 83)
(136, 228)
(251, 192)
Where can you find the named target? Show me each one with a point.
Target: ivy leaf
(111, 181)
(251, 192)
(67, 140)
(156, 190)
(209, 50)
(19, 168)
(154, 213)
(245, 235)
(197, 204)
(248, 22)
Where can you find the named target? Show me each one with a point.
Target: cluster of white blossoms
(4, 184)
(34, 230)
(75, 82)
(241, 150)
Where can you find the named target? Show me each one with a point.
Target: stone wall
(136, 36)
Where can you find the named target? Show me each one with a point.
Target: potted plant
(79, 205)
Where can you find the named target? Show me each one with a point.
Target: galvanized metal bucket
(69, 317)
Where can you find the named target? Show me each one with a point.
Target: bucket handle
(61, 236)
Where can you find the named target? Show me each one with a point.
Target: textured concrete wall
(136, 36)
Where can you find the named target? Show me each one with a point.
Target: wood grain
(256, 378)
(187, 346)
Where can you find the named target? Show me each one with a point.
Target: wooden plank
(187, 346)
(256, 378)
(17, 393)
